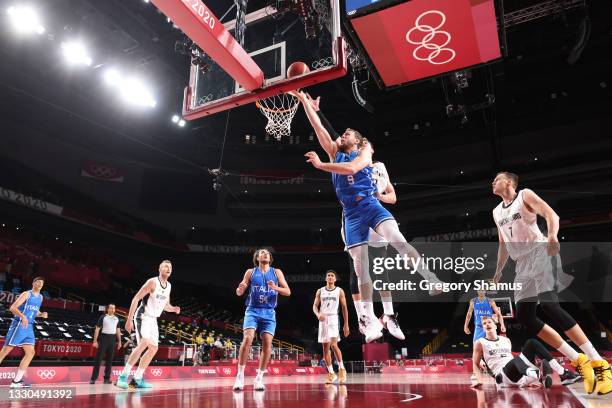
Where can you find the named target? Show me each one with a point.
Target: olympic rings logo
(427, 42)
(227, 371)
(275, 370)
(46, 374)
(157, 372)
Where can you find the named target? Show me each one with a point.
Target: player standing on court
(263, 284)
(538, 268)
(147, 305)
(21, 331)
(482, 306)
(325, 307)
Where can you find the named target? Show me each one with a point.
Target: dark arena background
(133, 132)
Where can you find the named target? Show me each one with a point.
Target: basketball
(296, 69)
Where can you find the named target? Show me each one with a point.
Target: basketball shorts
(519, 372)
(479, 333)
(358, 219)
(18, 336)
(329, 329)
(146, 328)
(537, 272)
(263, 320)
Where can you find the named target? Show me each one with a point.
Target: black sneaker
(569, 377)
(108, 381)
(545, 371)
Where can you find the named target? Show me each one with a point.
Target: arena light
(112, 77)
(181, 123)
(76, 54)
(25, 20)
(134, 92)
(175, 119)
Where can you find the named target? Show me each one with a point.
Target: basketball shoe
(331, 378)
(583, 367)
(373, 328)
(342, 376)
(390, 323)
(603, 376)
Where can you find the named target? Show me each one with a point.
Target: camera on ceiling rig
(190, 49)
(306, 11)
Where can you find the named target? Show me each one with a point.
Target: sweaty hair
(511, 176)
(331, 271)
(358, 136)
(255, 262)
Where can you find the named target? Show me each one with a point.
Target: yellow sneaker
(342, 376)
(603, 374)
(331, 378)
(583, 367)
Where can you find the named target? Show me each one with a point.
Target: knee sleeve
(550, 305)
(353, 280)
(526, 314)
(359, 255)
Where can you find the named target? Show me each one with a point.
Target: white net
(279, 110)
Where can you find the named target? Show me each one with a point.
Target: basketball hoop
(280, 110)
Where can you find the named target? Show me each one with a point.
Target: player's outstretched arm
(363, 159)
(282, 288)
(147, 288)
(323, 136)
(498, 313)
(468, 317)
(476, 357)
(502, 257)
(244, 283)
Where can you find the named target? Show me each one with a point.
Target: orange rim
(263, 108)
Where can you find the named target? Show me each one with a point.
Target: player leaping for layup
(356, 191)
(538, 268)
(155, 296)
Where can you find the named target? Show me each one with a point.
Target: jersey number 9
(351, 179)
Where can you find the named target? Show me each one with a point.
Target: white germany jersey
(496, 353)
(380, 175)
(518, 226)
(330, 301)
(155, 302)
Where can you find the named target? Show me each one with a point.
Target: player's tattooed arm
(323, 136)
(535, 204)
(363, 159)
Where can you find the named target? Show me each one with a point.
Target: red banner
(82, 374)
(423, 38)
(101, 171)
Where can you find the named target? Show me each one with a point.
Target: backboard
(274, 37)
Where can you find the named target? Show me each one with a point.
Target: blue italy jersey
(260, 295)
(31, 307)
(481, 308)
(360, 184)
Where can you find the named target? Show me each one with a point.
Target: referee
(108, 340)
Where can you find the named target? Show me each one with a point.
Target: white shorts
(329, 329)
(146, 328)
(537, 272)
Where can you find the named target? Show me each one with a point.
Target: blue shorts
(18, 336)
(358, 219)
(263, 320)
(479, 333)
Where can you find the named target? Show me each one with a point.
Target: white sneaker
(239, 384)
(19, 384)
(258, 385)
(390, 323)
(373, 328)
